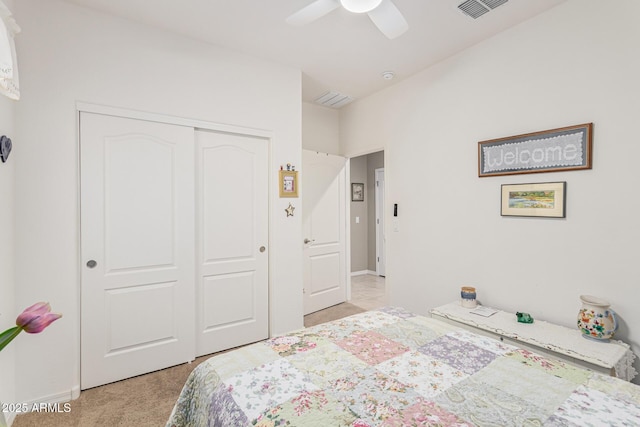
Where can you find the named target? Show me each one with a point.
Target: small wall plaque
(289, 183)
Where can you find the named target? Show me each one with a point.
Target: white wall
(7, 310)
(69, 54)
(320, 128)
(574, 64)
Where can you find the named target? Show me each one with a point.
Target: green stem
(8, 335)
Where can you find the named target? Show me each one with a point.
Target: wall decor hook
(5, 147)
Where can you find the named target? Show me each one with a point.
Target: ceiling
(342, 51)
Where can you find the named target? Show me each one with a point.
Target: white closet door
(137, 243)
(232, 236)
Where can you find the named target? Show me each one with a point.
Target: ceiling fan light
(360, 6)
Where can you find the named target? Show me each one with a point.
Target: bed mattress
(390, 367)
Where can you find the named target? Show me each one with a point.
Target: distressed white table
(613, 358)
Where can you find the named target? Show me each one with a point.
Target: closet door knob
(91, 263)
(262, 249)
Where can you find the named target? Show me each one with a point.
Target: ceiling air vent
(477, 8)
(494, 3)
(333, 99)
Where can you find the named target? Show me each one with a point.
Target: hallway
(368, 291)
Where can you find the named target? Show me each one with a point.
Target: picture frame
(561, 149)
(357, 192)
(289, 183)
(545, 199)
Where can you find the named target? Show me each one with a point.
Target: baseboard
(363, 272)
(9, 417)
(75, 392)
(55, 398)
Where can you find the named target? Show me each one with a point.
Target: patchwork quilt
(390, 367)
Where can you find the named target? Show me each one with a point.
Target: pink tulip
(37, 317)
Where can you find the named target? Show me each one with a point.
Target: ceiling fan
(384, 14)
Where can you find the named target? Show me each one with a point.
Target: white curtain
(8, 64)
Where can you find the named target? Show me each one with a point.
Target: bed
(390, 367)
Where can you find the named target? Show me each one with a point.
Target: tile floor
(368, 291)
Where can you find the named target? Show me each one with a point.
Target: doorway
(367, 250)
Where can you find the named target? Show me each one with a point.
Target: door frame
(86, 107)
(379, 200)
(347, 238)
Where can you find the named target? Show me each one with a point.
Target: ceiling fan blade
(389, 20)
(315, 10)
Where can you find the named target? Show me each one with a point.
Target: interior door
(232, 238)
(137, 247)
(380, 217)
(324, 229)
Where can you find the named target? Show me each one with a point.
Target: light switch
(357, 220)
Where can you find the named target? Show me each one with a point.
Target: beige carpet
(332, 313)
(146, 400)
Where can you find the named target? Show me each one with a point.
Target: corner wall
(573, 64)
(8, 312)
(70, 54)
(320, 129)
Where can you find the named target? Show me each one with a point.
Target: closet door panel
(137, 247)
(232, 205)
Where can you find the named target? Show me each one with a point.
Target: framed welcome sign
(567, 148)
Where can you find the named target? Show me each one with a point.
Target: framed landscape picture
(546, 199)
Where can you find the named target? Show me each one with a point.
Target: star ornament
(289, 210)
